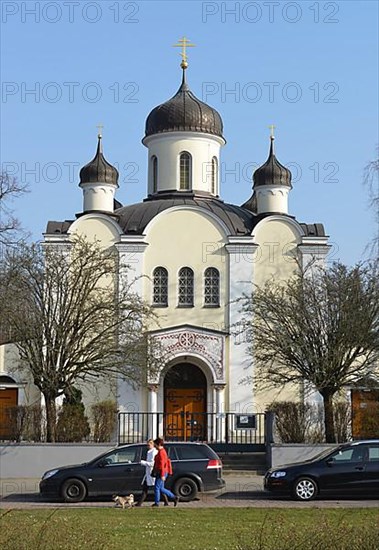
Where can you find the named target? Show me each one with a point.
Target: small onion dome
(272, 172)
(99, 170)
(184, 113)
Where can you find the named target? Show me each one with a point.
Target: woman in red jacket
(162, 468)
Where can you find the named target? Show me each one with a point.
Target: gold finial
(184, 43)
(272, 128)
(99, 127)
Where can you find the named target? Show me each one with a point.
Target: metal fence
(223, 431)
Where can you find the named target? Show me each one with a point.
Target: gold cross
(184, 43)
(100, 127)
(272, 128)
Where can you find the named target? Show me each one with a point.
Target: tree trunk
(330, 436)
(51, 418)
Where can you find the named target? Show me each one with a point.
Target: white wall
(32, 460)
(167, 148)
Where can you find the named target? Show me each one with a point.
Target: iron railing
(220, 430)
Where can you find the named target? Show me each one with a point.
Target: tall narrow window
(160, 287)
(211, 287)
(185, 167)
(186, 289)
(214, 176)
(155, 173)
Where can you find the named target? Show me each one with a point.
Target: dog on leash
(125, 502)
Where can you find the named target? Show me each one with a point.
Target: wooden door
(8, 399)
(365, 414)
(185, 416)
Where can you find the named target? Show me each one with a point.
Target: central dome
(184, 113)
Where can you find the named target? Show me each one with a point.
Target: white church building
(196, 254)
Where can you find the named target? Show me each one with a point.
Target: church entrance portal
(185, 403)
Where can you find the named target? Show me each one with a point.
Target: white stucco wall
(186, 238)
(167, 148)
(278, 238)
(97, 227)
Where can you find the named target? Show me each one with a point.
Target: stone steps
(238, 462)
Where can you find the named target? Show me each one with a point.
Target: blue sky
(308, 67)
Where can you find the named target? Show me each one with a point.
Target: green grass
(201, 529)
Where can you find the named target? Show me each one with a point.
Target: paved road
(242, 490)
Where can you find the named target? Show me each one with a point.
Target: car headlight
(279, 473)
(50, 473)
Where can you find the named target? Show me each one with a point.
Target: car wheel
(186, 489)
(305, 488)
(73, 490)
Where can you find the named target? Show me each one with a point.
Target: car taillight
(214, 463)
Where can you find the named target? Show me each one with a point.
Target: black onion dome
(99, 170)
(272, 172)
(184, 112)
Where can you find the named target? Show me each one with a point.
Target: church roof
(272, 172)
(184, 112)
(99, 170)
(134, 218)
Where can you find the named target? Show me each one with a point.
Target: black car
(350, 468)
(196, 468)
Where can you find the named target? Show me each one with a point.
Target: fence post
(227, 428)
(118, 428)
(269, 427)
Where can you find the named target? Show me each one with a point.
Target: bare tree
(371, 180)
(321, 327)
(10, 226)
(73, 322)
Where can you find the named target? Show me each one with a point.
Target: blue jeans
(160, 488)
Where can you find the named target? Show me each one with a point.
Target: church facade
(192, 255)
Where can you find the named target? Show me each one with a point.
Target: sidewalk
(242, 490)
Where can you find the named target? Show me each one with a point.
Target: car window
(343, 455)
(352, 454)
(373, 454)
(190, 452)
(122, 456)
(171, 453)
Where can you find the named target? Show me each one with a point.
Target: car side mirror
(102, 463)
(329, 462)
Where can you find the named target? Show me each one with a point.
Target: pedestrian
(162, 468)
(148, 480)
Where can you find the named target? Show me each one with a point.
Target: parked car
(351, 468)
(196, 468)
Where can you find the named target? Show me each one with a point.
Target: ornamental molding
(272, 191)
(131, 248)
(209, 347)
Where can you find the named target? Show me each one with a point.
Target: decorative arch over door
(185, 403)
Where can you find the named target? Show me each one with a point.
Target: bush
(342, 421)
(16, 419)
(72, 424)
(104, 418)
(24, 422)
(293, 421)
(303, 422)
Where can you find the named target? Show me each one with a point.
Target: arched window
(211, 287)
(186, 287)
(185, 169)
(154, 162)
(160, 287)
(214, 176)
